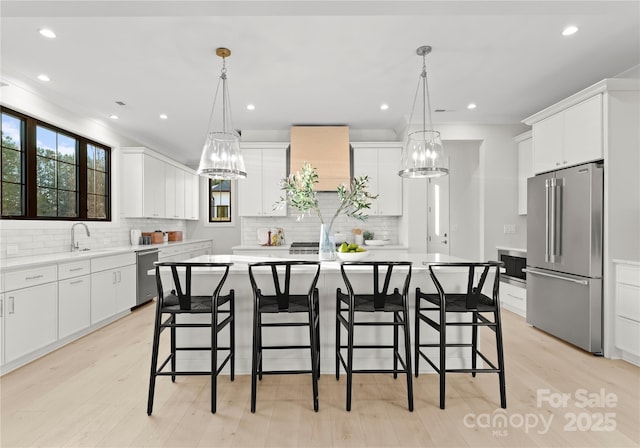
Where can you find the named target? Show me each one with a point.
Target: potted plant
(301, 195)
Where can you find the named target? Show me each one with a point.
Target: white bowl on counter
(352, 256)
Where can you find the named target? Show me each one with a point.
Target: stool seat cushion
(458, 303)
(297, 304)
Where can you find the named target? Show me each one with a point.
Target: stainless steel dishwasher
(146, 283)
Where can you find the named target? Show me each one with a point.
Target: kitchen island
(330, 279)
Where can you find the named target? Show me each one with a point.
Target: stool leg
(154, 360)
(443, 353)
(232, 334)
(501, 376)
(417, 330)
(254, 359)
(349, 372)
(260, 346)
(407, 351)
(338, 330)
(314, 356)
(396, 322)
(173, 348)
(474, 343)
(214, 355)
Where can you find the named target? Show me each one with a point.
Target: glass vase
(327, 247)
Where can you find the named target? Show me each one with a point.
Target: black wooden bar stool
(274, 293)
(179, 302)
(359, 277)
(450, 299)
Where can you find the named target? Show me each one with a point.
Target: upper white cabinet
(525, 168)
(266, 166)
(569, 137)
(381, 162)
(191, 196)
(154, 187)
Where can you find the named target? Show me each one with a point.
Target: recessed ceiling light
(163, 116)
(471, 106)
(46, 32)
(384, 106)
(251, 107)
(113, 116)
(568, 31)
(44, 78)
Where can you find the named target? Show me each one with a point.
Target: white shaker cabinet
(525, 168)
(143, 180)
(174, 192)
(381, 162)
(569, 137)
(266, 166)
(113, 285)
(74, 297)
(30, 309)
(628, 309)
(191, 196)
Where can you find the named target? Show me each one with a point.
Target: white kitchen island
(330, 279)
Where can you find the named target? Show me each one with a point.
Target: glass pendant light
(221, 156)
(423, 156)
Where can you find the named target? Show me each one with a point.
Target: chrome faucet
(74, 244)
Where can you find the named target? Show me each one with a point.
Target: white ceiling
(309, 62)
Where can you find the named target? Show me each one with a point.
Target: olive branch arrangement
(300, 194)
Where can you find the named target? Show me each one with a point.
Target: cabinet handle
(515, 297)
(76, 282)
(12, 305)
(76, 269)
(34, 277)
(1, 308)
(119, 277)
(114, 278)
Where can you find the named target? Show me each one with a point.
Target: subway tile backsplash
(308, 228)
(42, 241)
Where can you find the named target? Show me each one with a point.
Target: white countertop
(36, 260)
(286, 247)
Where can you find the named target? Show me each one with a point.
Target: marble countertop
(63, 257)
(286, 247)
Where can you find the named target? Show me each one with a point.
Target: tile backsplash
(41, 241)
(308, 228)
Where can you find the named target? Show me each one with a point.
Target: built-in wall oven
(515, 263)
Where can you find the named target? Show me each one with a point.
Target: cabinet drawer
(75, 269)
(629, 275)
(628, 301)
(112, 262)
(30, 277)
(628, 335)
(513, 292)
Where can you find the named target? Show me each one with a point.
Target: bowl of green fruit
(351, 252)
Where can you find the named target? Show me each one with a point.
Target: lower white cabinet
(513, 298)
(29, 320)
(112, 291)
(627, 327)
(74, 305)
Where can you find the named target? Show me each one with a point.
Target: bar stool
(274, 293)
(179, 302)
(376, 300)
(449, 300)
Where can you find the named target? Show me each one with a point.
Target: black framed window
(49, 173)
(219, 200)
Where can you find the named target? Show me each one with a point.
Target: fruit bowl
(352, 256)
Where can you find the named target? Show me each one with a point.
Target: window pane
(101, 159)
(11, 132)
(11, 199)
(66, 148)
(67, 203)
(11, 166)
(46, 142)
(66, 176)
(91, 206)
(91, 156)
(46, 175)
(101, 209)
(91, 181)
(47, 202)
(101, 187)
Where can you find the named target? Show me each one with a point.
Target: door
(538, 231)
(438, 236)
(74, 305)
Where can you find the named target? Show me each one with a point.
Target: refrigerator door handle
(559, 277)
(558, 214)
(547, 191)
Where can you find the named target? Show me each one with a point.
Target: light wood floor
(92, 393)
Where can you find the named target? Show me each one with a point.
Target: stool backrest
(281, 275)
(475, 283)
(380, 292)
(184, 269)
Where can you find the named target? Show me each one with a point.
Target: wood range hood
(327, 149)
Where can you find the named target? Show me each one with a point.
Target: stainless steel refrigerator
(564, 254)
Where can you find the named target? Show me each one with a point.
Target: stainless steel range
(304, 248)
